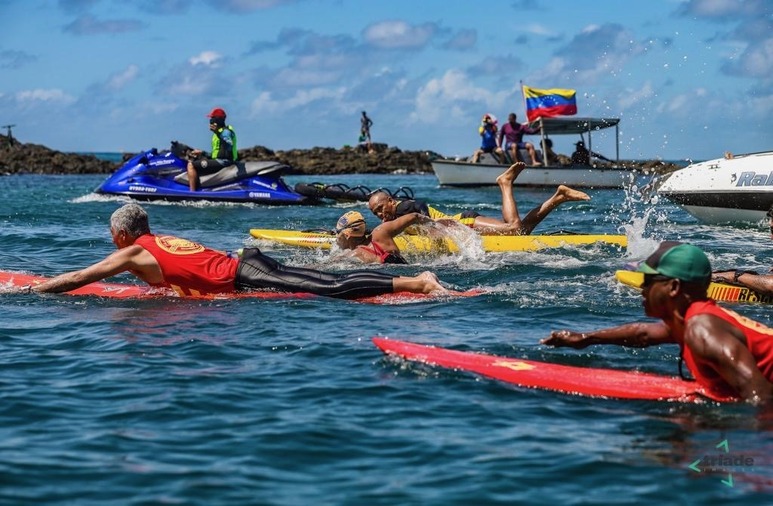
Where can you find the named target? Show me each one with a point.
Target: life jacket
(217, 151)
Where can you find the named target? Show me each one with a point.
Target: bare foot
(535, 163)
(431, 283)
(567, 194)
(508, 176)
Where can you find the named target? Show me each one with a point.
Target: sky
(689, 79)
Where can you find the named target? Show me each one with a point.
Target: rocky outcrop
(18, 158)
(382, 159)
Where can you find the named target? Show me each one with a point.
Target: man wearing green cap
(730, 356)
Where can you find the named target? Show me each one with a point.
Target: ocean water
(287, 402)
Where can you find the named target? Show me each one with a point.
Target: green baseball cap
(679, 261)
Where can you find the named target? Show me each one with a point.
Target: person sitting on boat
(488, 139)
(192, 269)
(512, 133)
(728, 355)
(224, 152)
(388, 208)
(762, 283)
(378, 246)
(582, 155)
(550, 156)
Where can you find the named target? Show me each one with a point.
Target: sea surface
(288, 402)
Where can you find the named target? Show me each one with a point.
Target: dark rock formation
(36, 159)
(18, 158)
(381, 160)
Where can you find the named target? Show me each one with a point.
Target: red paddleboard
(125, 291)
(588, 381)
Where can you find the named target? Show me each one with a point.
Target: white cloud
(266, 104)
(208, 58)
(39, 95)
(598, 52)
(247, 5)
(399, 34)
(189, 85)
(118, 81)
(757, 60)
(538, 29)
(442, 99)
(633, 97)
(303, 78)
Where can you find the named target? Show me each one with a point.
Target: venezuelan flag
(549, 103)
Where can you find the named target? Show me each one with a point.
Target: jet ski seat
(238, 171)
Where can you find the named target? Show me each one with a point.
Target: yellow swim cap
(351, 224)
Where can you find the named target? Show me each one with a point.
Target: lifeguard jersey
(384, 257)
(759, 340)
(188, 267)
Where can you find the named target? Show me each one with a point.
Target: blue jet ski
(155, 175)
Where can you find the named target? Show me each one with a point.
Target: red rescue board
(594, 382)
(126, 291)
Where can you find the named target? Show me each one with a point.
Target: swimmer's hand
(568, 338)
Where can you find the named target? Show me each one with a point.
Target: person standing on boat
(488, 139)
(729, 355)
(224, 152)
(387, 208)
(512, 133)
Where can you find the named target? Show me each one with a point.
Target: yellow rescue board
(718, 291)
(422, 243)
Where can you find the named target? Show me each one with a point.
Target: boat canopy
(565, 126)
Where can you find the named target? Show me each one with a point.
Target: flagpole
(523, 96)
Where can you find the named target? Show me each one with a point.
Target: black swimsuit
(257, 271)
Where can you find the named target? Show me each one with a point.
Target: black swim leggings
(257, 271)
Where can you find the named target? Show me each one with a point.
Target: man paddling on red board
(192, 269)
(387, 208)
(729, 355)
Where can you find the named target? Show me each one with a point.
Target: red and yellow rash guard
(188, 267)
(759, 340)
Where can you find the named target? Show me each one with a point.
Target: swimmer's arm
(117, 262)
(760, 283)
(399, 224)
(637, 335)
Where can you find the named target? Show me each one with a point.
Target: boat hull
(458, 173)
(738, 189)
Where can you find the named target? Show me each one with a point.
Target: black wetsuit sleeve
(411, 206)
(257, 271)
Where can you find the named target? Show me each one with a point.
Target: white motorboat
(731, 189)
(598, 175)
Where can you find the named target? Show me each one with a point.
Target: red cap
(216, 113)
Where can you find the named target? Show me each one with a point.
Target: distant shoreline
(384, 159)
